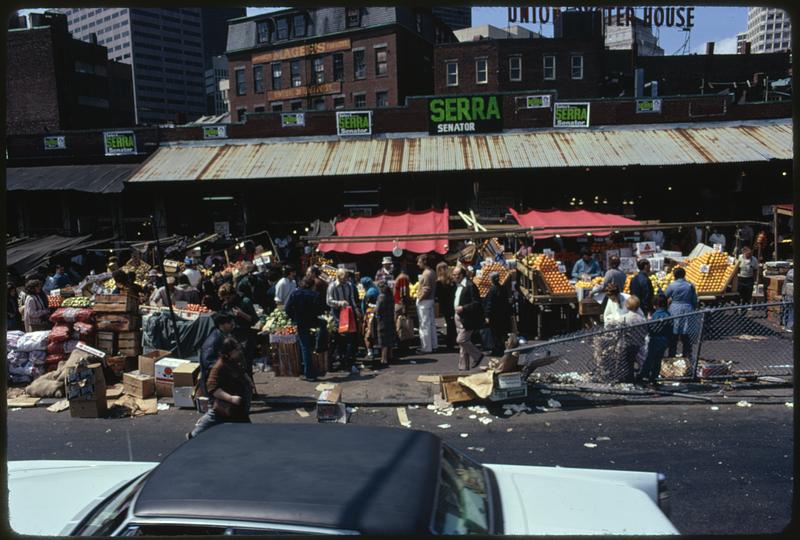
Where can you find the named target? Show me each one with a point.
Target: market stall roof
(390, 225)
(590, 222)
(25, 256)
(309, 157)
(87, 178)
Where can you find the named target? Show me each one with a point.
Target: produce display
(556, 282)
(361, 291)
(329, 271)
(628, 280)
(77, 302)
(484, 282)
(661, 281)
(277, 319)
(54, 301)
(285, 331)
(197, 308)
(715, 280)
(580, 284)
(413, 289)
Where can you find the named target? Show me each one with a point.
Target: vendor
(385, 271)
(614, 274)
(586, 265)
(748, 271)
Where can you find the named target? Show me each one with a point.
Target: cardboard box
(185, 374)
(165, 367)
(454, 392)
(85, 382)
(182, 395)
(139, 384)
(163, 389)
(645, 248)
(507, 381)
(330, 407)
(121, 364)
(95, 408)
(147, 361)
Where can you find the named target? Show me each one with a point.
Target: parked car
(328, 479)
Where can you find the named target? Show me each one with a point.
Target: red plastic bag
(71, 315)
(347, 321)
(59, 334)
(83, 329)
(54, 359)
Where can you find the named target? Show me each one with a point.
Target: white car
(328, 479)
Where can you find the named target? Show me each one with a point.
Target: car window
(107, 517)
(155, 529)
(462, 505)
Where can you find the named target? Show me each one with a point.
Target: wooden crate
(129, 343)
(108, 322)
(286, 359)
(121, 364)
(320, 363)
(115, 303)
(107, 342)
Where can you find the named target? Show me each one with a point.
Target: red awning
(391, 225)
(590, 221)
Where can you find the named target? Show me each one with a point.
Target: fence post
(696, 359)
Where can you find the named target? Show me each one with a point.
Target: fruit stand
(547, 291)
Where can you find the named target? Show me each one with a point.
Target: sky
(718, 24)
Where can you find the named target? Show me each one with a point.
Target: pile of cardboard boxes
(162, 376)
(86, 385)
(118, 331)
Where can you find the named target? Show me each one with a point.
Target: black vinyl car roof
(371, 480)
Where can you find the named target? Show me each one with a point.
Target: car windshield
(107, 517)
(462, 505)
(147, 529)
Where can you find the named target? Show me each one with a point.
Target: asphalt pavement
(730, 470)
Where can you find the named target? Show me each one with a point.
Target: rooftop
(354, 478)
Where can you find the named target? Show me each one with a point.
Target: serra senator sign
(465, 114)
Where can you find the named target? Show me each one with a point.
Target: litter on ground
(590, 445)
(403, 417)
(464, 435)
(714, 408)
(509, 430)
(553, 404)
(163, 406)
(476, 448)
(789, 404)
(485, 421)
(443, 426)
(302, 412)
(599, 439)
(744, 403)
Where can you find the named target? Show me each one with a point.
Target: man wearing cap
(585, 265)
(384, 272)
(159, 297)
(192, 273)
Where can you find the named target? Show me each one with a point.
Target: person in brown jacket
(230, 387)
(425, 298)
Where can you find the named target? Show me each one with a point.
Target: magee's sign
(465, 114)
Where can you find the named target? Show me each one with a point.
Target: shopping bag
(347, 321)
(405, 328)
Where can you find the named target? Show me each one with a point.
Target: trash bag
(12, 337)
(72, 315)
(33, 341)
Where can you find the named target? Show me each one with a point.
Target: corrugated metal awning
(653, 145)
(86, 178)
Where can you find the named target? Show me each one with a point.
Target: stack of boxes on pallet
(118, 331)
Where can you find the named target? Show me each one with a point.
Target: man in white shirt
(285, 286)
(195, 277)
(717, 238)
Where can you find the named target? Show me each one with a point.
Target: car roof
(372, 480)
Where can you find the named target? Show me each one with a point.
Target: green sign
(571, 115)
(351, 123)
(293, 119)
(465, 114)
(648, 105)
(215, 132)
(538, 102)
(57, 142)
(119, 143)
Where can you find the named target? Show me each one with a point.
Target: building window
(277, 106)
(282, 28)
(299, 25)
(360, 101)
(241, 88)
(276, 76)
(338, 102)
(577, 67)
(295, 72)
(263, 32)
(240, 113)
(452, 73)
(297, 105)
(338, 67)
(353, 17)
(319, 70)
(481, 71)
(319, 104)
(359, 65)
(515, 68)
(258, 79)
(381, 63)
(382, 99)
(549, 68)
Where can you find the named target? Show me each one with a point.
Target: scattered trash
(553, 404)
(351, 410)
(543, 391)
(744, 403)
(511, 408)
(478, 409)
(748, 337)
(324, 386)
(464, 435)
(485, 421)
(415, 406)
(163, 406)
(714, 408)
(431, 407)
(68, 443)
(789, 404)
(108, 430)
(600, 439)
(676, 384)
(476, 448)
(509, 430)
(473, 416)
(59, 406)
(443, 426)
(590, 445)
(16, 409)
(412, 362)
(403, 417)
(508, 412)
(302, 412)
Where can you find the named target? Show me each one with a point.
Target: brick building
(55, 82)
(331, 58)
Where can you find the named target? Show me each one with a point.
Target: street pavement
(730, 470)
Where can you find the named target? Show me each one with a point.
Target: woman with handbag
(230, 387)
(36, 311)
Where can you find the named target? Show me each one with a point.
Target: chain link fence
(733, 341)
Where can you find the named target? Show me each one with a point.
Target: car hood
(562, 501)
(69, 487)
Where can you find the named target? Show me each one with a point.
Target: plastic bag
(38, 357)
(61, 347)
(70, 315)
(12, 337)
(83, 329)
(33, 341)
(17, 358)
(59, 334)
(347, 321)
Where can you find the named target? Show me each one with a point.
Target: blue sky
(718, 24)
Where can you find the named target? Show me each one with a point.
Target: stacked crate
(119, 334)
